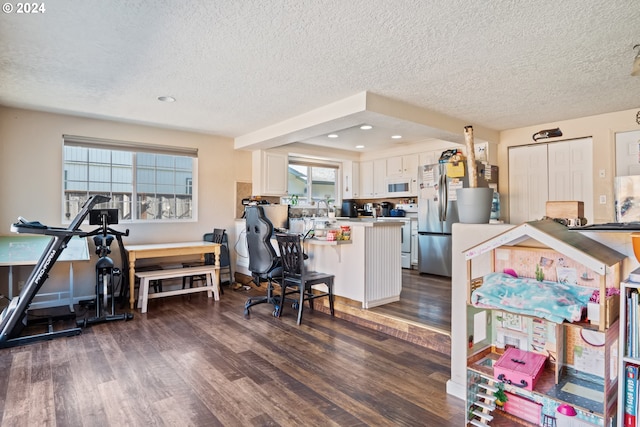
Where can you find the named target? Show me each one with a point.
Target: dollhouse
(542, 328)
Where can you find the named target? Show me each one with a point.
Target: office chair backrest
(262, 255)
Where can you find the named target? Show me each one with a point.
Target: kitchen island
(369, 269)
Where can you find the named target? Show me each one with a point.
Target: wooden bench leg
(144, 288)
(213, 284)
(140, 293)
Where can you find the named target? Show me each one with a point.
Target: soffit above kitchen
(239, 68)
(344, 119)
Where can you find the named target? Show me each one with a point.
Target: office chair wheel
(295, 305)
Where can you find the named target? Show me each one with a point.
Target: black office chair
(264, 264)
(296, 275)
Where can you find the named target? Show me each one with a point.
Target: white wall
(31, 180)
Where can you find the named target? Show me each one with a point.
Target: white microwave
(401, 186)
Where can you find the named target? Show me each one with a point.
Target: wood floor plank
(17, 397)
(41, 404)
(191, 361)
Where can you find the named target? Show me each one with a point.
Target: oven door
(406, 237)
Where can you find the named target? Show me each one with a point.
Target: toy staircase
(484, 404)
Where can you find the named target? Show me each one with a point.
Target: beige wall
(31, 176)
(602, 128)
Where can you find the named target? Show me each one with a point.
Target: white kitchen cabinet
(402, 165)
(356, 180)
(350, 179)
(394, 166)
(366, 179)
(270, 173)
(380, 178)
(429, 157)
(410, 165)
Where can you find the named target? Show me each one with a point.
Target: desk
(27, 250)
(160, 250)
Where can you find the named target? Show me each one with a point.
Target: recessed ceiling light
(166, 99)
(359, 146)
(366, 127)
(396, 137)
(332, 135)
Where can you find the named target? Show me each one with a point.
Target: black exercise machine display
(13, 318)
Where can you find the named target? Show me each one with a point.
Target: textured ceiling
(236, 67)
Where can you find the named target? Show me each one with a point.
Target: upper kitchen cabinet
(366, 179)
(402, 165)
(429, 157)
(380, 178)
(350, 180)
(269, 173)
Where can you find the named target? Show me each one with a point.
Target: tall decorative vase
(474, 205)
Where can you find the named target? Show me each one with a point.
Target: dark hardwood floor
(425, 299)
(191, 361)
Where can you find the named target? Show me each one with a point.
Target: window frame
(135, 148)
(308, 200)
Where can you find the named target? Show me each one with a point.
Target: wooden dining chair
(296, 279)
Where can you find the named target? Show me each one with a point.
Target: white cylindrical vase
(474, 205)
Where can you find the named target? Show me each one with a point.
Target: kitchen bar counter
(369, 269)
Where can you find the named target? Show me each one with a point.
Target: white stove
(411, 216)
(411, 209)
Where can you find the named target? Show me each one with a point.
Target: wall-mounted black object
(547, 133)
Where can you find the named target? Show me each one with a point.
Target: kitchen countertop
(371, 220)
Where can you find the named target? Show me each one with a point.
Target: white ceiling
(238, 68)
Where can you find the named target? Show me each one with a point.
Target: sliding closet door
(554, 171)
(528, 183)
(571, 172)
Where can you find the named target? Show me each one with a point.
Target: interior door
(570, 172)
(528, 183)
(627, 153)
(554, 171)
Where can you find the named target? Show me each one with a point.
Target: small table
(26, 250)
(158, 250)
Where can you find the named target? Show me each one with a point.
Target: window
(312, 181)
(145, 182)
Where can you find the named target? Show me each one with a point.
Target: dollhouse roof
(558, 237)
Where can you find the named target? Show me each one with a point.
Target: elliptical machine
(106, 272)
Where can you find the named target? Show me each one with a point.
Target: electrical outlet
(603, 199)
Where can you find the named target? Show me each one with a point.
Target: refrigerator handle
(443, 197)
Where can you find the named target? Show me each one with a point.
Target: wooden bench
(147, 276)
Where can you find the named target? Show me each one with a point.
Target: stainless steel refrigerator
(438, 210)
